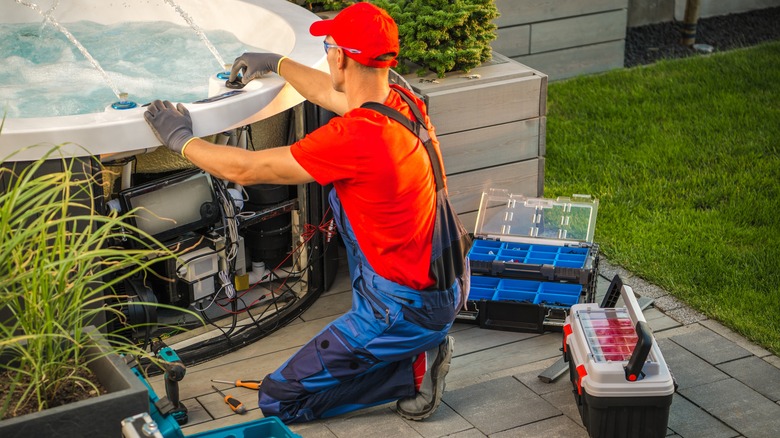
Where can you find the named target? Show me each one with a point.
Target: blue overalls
(364, 358)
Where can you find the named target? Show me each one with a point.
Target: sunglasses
(329, 46)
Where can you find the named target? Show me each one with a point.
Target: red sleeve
(329, 153)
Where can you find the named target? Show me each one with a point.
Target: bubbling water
(48, 18)
(42, 74)
(202, 35)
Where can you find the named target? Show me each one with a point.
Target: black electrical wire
(265, 316)
(260, 325)
(284, 304)
(277, 317)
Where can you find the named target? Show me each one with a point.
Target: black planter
(98, 416)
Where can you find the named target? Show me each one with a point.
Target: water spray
(47, 17)
(197, 30)
(48, 14)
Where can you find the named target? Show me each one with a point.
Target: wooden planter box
(98, 416)
(564, 38)
(491, 125)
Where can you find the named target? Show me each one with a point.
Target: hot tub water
(144, 59)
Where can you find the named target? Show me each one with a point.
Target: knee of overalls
(323, 363)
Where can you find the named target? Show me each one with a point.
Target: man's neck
(362, 87)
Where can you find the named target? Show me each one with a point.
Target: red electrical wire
(327, 228)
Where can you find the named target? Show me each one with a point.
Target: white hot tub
(276, 25)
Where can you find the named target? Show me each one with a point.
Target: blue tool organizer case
(532, 259)
(490, 251)
(525, 291)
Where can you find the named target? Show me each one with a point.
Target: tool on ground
(251, 384)
(235, 405)
(174, 372)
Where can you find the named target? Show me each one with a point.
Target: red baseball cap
(365, 28)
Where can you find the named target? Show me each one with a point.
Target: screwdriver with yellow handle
(235, 405)
(251, 384)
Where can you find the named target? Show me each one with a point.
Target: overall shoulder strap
(413, 106)
(416, 127)
(393, 114)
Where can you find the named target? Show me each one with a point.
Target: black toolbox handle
(522, 270)
(643, 345)
(613, 293)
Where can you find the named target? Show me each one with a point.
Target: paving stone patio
(728, 387)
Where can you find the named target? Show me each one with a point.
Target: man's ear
(341, 60)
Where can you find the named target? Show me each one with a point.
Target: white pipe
(261, 274)
(127, 175)
(242, 143)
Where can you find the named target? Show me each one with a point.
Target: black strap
(413, 107)
(393, 114)
(416, 127)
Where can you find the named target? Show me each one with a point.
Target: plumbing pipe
(127, 175)
(243, 137)
(261, 274)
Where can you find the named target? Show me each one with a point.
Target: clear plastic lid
(609, 334)
(503, 214)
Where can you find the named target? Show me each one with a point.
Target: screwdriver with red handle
(251, 384)
(235, 405)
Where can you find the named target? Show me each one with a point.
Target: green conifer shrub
(443, 35)
(323, 5)
(436, 35)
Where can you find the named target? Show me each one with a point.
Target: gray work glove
(172, 125)
(253, 65)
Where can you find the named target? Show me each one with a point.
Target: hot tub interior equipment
(241, 292)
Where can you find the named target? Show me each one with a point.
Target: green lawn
(684, 156)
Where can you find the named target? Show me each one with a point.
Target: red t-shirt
(383, 177)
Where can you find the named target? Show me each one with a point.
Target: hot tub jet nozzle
(123, 103)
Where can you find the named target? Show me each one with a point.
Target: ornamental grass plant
(684, 156)
(61, 267)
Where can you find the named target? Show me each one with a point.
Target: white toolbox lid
(507, 217)
(602, 340)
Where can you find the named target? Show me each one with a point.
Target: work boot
(428, 397)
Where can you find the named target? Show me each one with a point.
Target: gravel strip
(653, 42)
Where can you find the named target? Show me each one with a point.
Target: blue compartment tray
(514, 252)
(519, 305)
(572, 263)
(525, 291)
(268, 427)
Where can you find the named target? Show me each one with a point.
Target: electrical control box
(197, 265)
(190, 277)
(532, 259)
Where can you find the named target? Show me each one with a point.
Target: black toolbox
(620, 380)
(532, 259)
